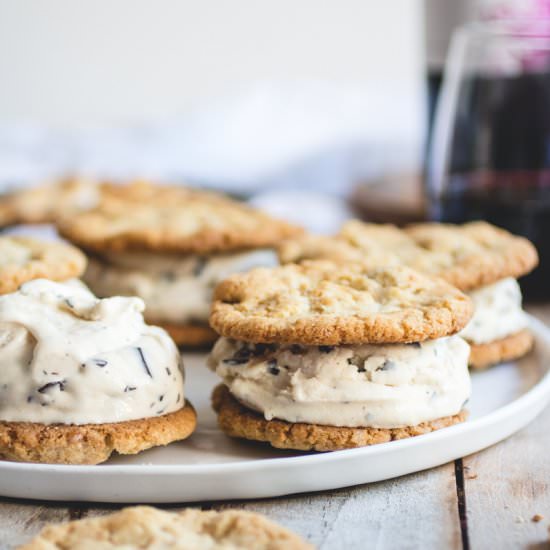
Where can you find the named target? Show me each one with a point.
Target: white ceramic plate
(210, 466)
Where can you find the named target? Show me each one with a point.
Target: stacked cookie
(23, 259)
(170, 246)
(321, 357)
(80, 377)
(50, 201)
(477, 258)
(145, 527)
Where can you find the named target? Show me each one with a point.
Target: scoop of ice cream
(379, 386)
(497, 312)
(68, 357)
(175, 289)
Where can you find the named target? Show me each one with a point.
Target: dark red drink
(498, 166)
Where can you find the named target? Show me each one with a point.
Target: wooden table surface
(490, 500)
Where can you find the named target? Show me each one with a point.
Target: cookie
(321, 303)
(506, 349)
(7, 214)
(23, 259)
(237, 421)
(188, 335)
(475, 254)
(146, 527)
(467, 256)
(91, 443)
(48, 202)
(140, 191)
(373, 244)
(173, 219)
(315, 247)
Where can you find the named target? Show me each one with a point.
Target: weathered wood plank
(18, 522)
(508, 484)
(380, 515)
(391, 514)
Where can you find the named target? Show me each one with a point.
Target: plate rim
(539, 393)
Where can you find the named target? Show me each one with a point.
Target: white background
(93, 62)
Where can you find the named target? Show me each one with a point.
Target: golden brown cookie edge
(7, 214)
(45, 202)
(519, 258)
(235, 420)
(404, 326)
(92, 443)
(506, 349)
(60, 262)
(91, 231)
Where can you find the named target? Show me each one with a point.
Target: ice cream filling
(68, 357)
(497, 314)
(378, 386)
(175, 289)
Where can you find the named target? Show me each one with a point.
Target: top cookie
(23, 259)
(49, 202)
(172, 219)
(468, 256)
(375, 250)
(474, 254)
(146, 527)
(320, 303)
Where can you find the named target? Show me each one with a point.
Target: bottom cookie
(506, 349)
(238, 421)
(188, 335)
(146, 527)
(92, 443)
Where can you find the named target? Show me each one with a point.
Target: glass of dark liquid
(490, 148)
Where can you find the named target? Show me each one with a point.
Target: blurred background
(245, 96)
(313, 110)
(102, 62)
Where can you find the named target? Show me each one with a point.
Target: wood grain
(508, 484)
(381, 515)
(18, 522)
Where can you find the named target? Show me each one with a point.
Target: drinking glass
(490, 150)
